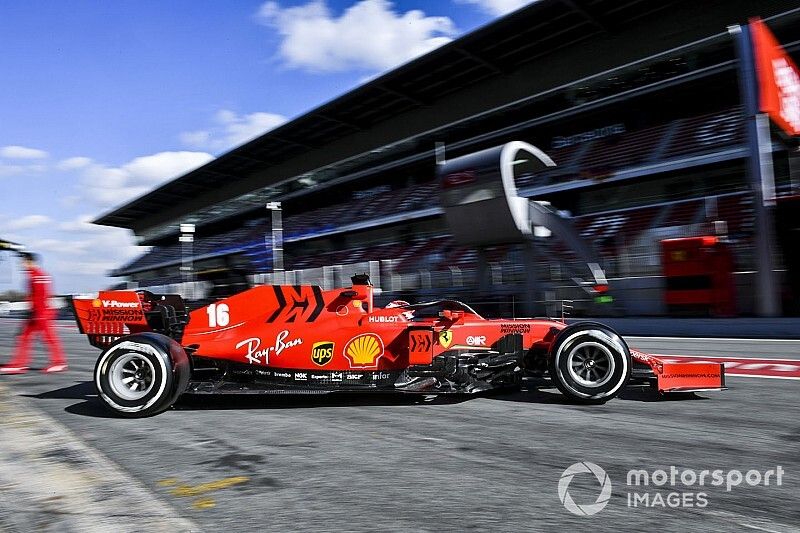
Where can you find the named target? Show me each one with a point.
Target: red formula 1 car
(301, 339)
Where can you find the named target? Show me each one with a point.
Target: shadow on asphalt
(202, 402)
(83, 390)
(92, 407)
(633, 393)
(648, 394)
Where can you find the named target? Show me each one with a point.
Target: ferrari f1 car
(301, 339)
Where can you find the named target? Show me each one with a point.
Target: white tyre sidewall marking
(134, 347)
(597, 334)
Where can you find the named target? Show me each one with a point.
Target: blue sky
(102, 101)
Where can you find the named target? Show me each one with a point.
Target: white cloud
(70, 201)
(73, 163)
(26, 222)
(78, 252)
(11, 170)
(81, 224)
(231, 129)
(60, 246)
(94, 251)
(155, 168)
(109, 186)
(369, 35)
(497, 7)
(22, 152)
(16, 170)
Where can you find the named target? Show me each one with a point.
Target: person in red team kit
(40, 320)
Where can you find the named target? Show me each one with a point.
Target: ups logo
(322, 353)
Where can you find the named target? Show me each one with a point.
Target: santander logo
(788, 83)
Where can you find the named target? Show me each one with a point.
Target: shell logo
(364, 351)
(96, 303)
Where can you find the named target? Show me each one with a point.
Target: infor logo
(584, 468)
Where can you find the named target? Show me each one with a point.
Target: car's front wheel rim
(590, 364)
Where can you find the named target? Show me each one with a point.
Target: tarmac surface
(361, 463)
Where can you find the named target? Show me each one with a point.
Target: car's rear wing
(683, 377)
(108, 315)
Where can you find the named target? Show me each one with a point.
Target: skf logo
(445, 338)
(476, 340)
(364, 351)
(322, 353)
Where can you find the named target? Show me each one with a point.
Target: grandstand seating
(682, 137)
(617, 227)
(682, 214)
(628, 149)
(219, 244)
(602, 156)
(737, 211)
(566, 167)
(328, 218)
(707, 132)
(609, 231)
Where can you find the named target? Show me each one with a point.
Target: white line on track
(712, 339)
(724, 358)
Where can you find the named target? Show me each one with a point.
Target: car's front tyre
(141, 375)
(589, 362)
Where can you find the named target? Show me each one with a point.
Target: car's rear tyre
(589, 362)
(141, 375)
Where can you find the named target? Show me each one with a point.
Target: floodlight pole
(760, 174)
(187, 251)
(277, 239)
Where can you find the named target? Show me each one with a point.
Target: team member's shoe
(10, 369)
(55, 368)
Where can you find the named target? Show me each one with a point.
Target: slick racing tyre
(141, 375)
(589, 362)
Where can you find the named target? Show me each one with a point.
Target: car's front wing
(683, 377)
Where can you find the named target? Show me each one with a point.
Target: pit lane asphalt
(360, 463)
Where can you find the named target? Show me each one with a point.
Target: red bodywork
(306, 328)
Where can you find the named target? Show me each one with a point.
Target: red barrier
(699, 275)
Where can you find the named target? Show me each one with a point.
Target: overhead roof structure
(494, 65)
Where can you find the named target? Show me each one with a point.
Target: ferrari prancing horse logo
(445, 338)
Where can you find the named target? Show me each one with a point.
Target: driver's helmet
(408, 315)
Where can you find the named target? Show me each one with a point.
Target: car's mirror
(452, 316)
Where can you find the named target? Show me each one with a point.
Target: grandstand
(637, 102)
